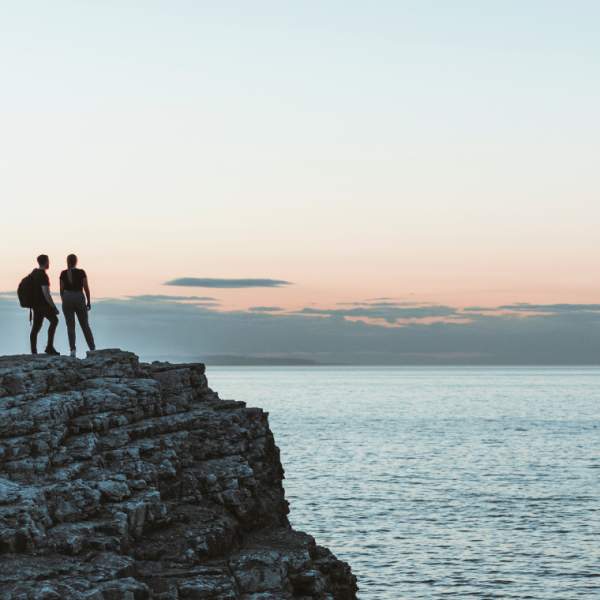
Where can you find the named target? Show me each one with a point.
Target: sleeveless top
(75, 282)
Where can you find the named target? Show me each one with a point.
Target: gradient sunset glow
(439, 153)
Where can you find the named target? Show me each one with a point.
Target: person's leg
(69, 312)
(38, 319)
(82, 316)
(51, 316)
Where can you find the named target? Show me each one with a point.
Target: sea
(441, 482)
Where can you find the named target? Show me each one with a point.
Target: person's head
(43, 261)
(71, 261)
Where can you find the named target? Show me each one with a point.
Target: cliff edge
(128, 481)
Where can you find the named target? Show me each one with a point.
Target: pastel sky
(428, 151)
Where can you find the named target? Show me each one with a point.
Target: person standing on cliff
(43, 306)
(73, 283)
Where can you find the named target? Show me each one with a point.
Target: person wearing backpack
(41, 303)
(73, 284)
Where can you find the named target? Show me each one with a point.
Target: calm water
(440, 483)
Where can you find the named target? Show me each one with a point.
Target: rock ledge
(129, 481)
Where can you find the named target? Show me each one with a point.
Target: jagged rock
(129, 481)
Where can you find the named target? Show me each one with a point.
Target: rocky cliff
(129, 481)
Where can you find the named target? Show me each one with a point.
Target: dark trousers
(73, 303)
(39, 314)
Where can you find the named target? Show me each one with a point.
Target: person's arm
(86, 289)
(62, 287)
(48, 298)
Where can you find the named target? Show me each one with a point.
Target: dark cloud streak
(207, 282)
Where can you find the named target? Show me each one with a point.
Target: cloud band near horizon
(172, 327)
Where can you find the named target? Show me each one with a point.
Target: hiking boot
(52, 352)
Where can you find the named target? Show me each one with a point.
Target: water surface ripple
(441, 482)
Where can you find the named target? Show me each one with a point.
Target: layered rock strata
(129, 481)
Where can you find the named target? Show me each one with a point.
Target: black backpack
(26, 291)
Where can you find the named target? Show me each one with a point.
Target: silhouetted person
(43, 306)
(73, 282)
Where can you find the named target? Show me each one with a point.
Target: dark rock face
(129, 481)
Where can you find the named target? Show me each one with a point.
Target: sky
(436, 154)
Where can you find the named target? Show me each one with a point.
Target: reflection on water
(438, 483)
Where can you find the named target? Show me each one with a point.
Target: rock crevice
(124, 480)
